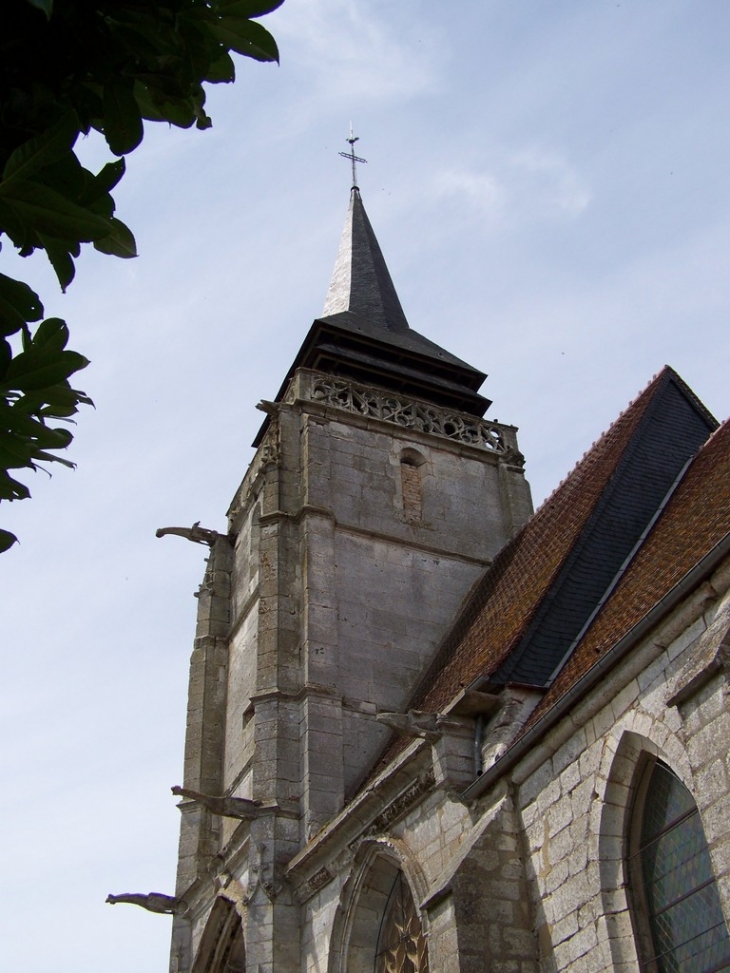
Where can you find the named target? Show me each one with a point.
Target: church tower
(377, 496)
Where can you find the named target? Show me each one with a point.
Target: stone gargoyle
(414, 723)
(226, 807)
(152, 901)
(196, 533)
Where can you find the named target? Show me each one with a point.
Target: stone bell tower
(377, 496)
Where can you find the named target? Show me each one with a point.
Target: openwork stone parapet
(406, 412)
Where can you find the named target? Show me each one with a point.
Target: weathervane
(352, 157)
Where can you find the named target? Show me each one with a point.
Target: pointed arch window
(676, 902)
(222, 948)
(401, 943)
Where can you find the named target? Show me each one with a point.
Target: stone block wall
(533, 876)
(575, 803)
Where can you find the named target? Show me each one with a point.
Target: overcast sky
(549, 185)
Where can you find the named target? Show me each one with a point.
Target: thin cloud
(553, 184)
(353, 56)
(521, 187)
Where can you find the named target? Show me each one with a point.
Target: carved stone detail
(227, 807)
(409, 413)
(270, 449)
(263, 875)
(152, 901)
(401, 804)
(196, 533)
(414, 723)
(318, 880)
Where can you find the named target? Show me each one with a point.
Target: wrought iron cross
(352, 157)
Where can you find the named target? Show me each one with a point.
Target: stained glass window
(677, 890)
(401, 944)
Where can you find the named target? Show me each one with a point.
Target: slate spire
(363, 334)
(361, 283)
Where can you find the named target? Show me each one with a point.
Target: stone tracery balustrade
(409, 413)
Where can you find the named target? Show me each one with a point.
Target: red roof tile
(513, 588)
(506, 600)
(696, 518)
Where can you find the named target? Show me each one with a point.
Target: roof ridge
(668, 435)
(606, 432)
(691, 542)
(479, 596)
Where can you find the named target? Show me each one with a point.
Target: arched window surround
(364, 899)
(222, 948)
(615, 783)
(618, 777)
(673, 894)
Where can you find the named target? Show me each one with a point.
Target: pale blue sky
(549, 184)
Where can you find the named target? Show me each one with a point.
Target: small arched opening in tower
(411, 462)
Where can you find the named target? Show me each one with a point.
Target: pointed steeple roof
(361, 282)
(363, 334)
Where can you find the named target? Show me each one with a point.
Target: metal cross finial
(352, 157)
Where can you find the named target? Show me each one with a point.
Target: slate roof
(544, 584)
(361, 282)
(695, 520)
(669, 434)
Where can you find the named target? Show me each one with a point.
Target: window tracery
(401, 944)
(410, 413)
(677, 905)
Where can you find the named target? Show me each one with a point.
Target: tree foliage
(67, 67)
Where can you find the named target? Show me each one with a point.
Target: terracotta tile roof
(696, 518)
(505, 604)
(513, 589)
(670, 433)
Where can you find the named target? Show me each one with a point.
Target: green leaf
(6, 355)
(45, 457)
(60, 260)
(147, 105)
(16, 451)
(16, 426)
(45, 211)
(222, 70)
(44, 149)
(26, 372)
(248, 8)
(51, 335)
(123, 128)
(45, 5)
(246, 37)
(11, 224)
(11, 489)
(11, 321)
(101, 203)
(119, 243)
(202, 121)
(108, 177)
(6, 538)
(66, 176)
(179, 112)
(25, 300)
(62, 401)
